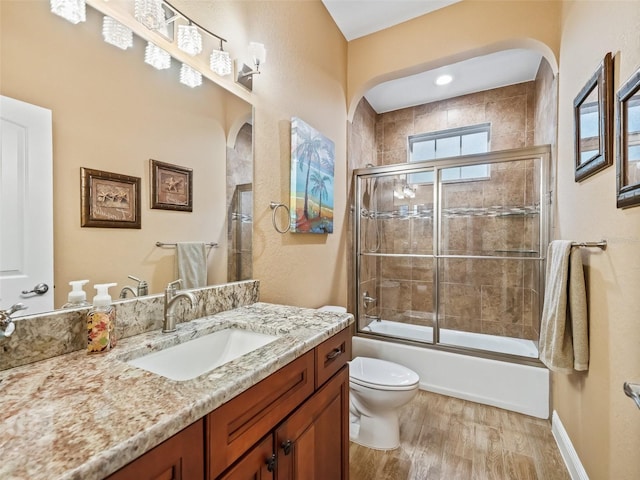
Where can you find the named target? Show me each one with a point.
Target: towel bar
(163, 244)
(602, 244)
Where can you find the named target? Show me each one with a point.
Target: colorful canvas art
(312, 179)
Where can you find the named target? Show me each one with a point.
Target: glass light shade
(189, 39)
(157, 57)
(190, 77)
(258, 53)
(74, 11)
(150, 13)
(220, 62)
(116, 33)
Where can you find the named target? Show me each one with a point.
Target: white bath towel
(564, 343)
(191, 264)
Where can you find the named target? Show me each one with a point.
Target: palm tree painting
(312, 179)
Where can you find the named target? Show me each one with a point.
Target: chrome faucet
(171, 295)
(6, 324)
(141, 290)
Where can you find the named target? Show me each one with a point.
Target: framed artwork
(593, 122)
(312, 179)
(109, 199)
(628, 136)
(171, 187)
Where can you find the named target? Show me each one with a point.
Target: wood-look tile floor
(445, 438)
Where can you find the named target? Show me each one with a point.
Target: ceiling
(357, 18)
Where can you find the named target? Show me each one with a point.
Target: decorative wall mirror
(628, 134)
(593, 116)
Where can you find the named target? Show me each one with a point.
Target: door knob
(39, 289)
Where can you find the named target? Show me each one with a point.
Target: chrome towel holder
(274, 207)
(165, 244)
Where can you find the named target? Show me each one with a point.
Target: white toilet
(377, 390)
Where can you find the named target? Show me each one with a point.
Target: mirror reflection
(628, 161)
(112, 112)
(589, 127)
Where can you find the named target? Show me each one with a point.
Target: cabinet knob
(271, 463)
(286, 446)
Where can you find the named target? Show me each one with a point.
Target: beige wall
(450, 35)
(603, 424)
(113, 112)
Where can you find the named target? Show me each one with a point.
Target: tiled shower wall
(239, 229)
(487, 296)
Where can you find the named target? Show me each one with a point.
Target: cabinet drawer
(181, 457)
(237, 425)
(332, 355)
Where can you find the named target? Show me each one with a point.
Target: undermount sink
(200, 355)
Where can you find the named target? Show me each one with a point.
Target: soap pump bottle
(77, 296)
(101, 321)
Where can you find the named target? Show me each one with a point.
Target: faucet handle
(6, 324)
(172, 286)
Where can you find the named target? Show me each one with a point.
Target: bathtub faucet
(367, 300)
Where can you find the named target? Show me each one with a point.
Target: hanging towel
(564, 343)
(191, 264)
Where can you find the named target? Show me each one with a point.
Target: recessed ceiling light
(443, 80)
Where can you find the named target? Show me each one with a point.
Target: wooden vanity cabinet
(292, 425)
(181, 457)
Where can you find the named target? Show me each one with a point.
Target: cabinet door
(313, 443)
(181, 457)
(255, 465)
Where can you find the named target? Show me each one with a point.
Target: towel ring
(274, 206)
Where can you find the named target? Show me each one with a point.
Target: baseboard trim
(569, 454)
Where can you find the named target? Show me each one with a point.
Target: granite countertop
(80, 416)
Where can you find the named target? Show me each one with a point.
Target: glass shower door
(489, 257)
(395, 256)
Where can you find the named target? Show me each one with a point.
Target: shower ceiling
(357, 18)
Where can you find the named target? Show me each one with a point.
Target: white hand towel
(191, 264)
(564, 344)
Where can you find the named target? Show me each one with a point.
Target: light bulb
(189, 39)
(220, 62)
(157, 57)
(190, 77)
(116, 33)
(150, 13)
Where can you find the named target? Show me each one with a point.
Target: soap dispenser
(77, 296)
(101, 321)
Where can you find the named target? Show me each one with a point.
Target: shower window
(450, 143)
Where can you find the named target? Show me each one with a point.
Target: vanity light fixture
(150, 13)
(258, 55)
(116, 33)
(220, 61)
(75, 11)
(190, 77)
(443, 80)
(189, 39)
(157, 57)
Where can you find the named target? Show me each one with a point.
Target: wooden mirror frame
(628, 195)
(602, 79)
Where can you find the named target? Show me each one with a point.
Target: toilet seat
(381, 375)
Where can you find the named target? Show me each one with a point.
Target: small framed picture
(171, 187)
(109, 200)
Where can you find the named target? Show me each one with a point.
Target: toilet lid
(380, 373)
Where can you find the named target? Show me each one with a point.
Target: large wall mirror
(592, 109)
(114, 113)
(628, 160)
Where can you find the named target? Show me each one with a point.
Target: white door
(26, 206)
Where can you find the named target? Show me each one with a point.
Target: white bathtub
(515, 387)
(480, 341)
